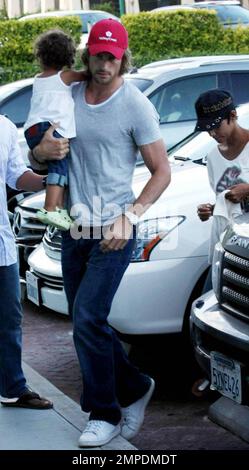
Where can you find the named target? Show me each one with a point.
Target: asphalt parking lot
(175, 420)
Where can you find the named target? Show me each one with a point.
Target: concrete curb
(55, 429)
(232, 416)
(67, 408)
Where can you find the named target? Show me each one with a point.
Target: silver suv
(220, 318)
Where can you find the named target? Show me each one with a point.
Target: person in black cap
(228, 170)
(228, 162)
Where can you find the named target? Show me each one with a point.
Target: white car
(172, 86)
(166, 272)
(87, 17)
(15, 104)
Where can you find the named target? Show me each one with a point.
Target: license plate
(32, 288)
(226, 376)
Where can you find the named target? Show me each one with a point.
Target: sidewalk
(55, 429)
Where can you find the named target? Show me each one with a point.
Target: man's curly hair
(125, 64)
(55, 49)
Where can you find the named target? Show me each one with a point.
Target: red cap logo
(108, 36)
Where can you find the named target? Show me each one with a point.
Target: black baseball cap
(212, 107)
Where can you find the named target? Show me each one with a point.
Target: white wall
(76, 5)
(186, 2)
(13, 8)
(132, 6)
(31, 6)
(46, 5)
(35, 6)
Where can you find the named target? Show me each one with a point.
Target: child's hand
(71, 76)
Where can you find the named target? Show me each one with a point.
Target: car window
(240, 87)
(230, 13)
(91, 18)
(175, 101)
(100, 16)
(16, 108)
(86, 19)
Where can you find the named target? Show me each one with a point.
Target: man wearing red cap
(114, 121)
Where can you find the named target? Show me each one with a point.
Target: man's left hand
(117, 235)
(238, 193)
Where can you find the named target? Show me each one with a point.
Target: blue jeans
(57, 169)
(12, 380)
(91, 279)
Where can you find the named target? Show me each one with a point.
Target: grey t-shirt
(104, 152)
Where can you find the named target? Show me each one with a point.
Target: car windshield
(230, 14)
(88, 19)
(6, 90)
(197, 145)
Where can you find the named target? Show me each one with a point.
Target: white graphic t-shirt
(223, 174)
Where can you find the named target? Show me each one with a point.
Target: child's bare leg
(54, 197)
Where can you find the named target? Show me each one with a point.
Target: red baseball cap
(108, 36)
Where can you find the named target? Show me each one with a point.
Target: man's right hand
(205, 211)
(50, 147)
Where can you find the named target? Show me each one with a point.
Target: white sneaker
(97, 433)
(133, 415)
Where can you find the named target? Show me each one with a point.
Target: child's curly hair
(55, 49)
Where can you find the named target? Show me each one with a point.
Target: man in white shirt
(13, 388)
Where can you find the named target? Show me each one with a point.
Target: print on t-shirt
(229, 178)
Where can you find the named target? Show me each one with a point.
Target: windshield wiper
(183, 159)
(201, 161)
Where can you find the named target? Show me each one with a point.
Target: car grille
(27, 229)
(52, 242)
(235, 286)
(50, 281)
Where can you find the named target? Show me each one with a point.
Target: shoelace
(93, 426)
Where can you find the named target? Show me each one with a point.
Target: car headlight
(216, 268)
(150, 233)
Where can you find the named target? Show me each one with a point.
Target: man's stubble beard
(100, 81)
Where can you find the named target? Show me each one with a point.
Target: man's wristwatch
(133, 218)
